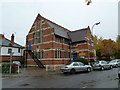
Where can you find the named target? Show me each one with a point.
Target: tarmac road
(39, 78)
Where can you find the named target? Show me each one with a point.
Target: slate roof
(74, 36)
(59, 30)
(78, 35)
(7, 43)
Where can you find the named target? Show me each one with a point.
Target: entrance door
(74, 56)
(29, 46)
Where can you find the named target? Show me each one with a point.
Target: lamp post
(92, 36)
(93, 27)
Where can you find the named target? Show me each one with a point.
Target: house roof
(78, 35)
(59, 30)
(6, 42)
(74, 36)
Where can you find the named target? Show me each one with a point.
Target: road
(38, 78)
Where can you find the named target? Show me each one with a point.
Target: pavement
(39, 78)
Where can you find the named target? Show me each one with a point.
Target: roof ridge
(79, 29)
(14, 42)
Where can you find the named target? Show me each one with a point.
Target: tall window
(35, 38)
(41, 54)
(58, 54)
(41, 36)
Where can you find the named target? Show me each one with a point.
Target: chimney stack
(1, 36)
(12, 39)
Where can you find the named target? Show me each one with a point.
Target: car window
(75, 64)
(81, 64)
(113, 61)
(105, 62)
(95, 62)
(102, 62)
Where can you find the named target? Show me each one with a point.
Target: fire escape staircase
(34, 57)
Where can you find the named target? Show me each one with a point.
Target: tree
(96, 40)
(106, 49)
(117, 53)
(118, 40)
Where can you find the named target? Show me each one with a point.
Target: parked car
(17, 62)
(73, 67)
(101, 65)
(115, 63)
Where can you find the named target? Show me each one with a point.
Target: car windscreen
(113, 61)
(95, 62)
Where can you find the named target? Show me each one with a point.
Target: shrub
(6, 68)
(81, 60)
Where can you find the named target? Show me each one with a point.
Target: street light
(93, 26)
(92, 36)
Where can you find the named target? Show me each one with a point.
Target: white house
(7, 46)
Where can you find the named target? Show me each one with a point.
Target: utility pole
(11, 54)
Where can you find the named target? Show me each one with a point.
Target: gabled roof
(5, 42)
(78, 35)
(74, 36)
(59, 30)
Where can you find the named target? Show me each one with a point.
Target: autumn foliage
(106, 49)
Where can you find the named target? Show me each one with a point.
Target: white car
(115, 63)
(73, 67)
(101, 65)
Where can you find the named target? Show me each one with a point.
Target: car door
(106, 65)
(82, 66)
(76, 66)
(103, 64)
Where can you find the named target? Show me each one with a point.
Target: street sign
(81, 54)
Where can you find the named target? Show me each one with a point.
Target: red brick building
(54, 44)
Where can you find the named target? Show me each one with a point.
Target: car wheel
(88, 69)
(102, 68)
(72, 71)
(116, 65)
(110, 67)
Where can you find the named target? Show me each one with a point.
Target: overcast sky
(18, 17)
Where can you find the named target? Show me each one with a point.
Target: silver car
(73, 67)
(115, 63)
(101, 65)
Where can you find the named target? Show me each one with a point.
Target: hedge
(6, 68)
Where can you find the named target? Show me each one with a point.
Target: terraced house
(53, 44)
